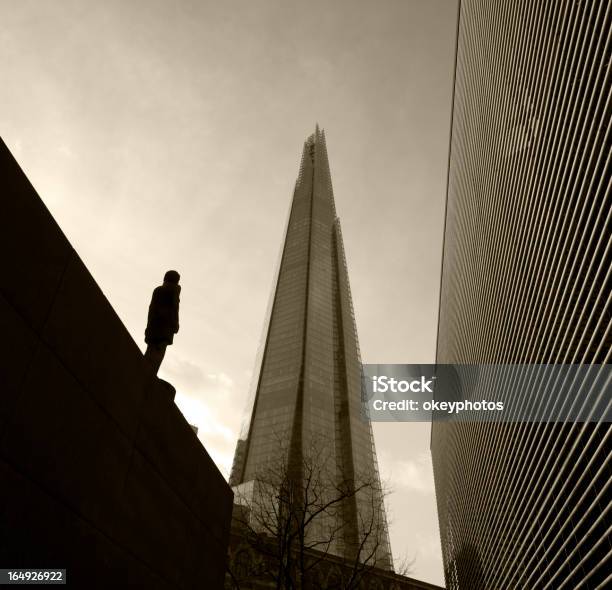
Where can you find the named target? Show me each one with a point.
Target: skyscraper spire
(308, 389)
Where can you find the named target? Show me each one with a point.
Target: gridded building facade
(308, 389)
(526, 279)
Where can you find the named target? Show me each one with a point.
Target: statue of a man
(163, 320)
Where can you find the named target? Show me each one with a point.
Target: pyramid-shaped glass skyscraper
(307, 389)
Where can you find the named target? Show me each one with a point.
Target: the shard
(307, 388)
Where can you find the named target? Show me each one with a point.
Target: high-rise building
(307, 391)
(526, 280)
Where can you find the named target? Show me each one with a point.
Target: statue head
(172, 277)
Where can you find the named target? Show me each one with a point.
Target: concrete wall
(99, 471)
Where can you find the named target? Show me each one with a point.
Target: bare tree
(293, 517)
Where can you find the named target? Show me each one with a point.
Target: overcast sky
(168, 135)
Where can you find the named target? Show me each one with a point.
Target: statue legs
(155, 355)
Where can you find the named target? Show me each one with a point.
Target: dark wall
(99, 471)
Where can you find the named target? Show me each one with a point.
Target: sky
(168, 135)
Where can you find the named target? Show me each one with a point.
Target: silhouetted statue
(163, 320)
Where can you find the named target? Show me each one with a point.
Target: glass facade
(306, 398)
(526, 280)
